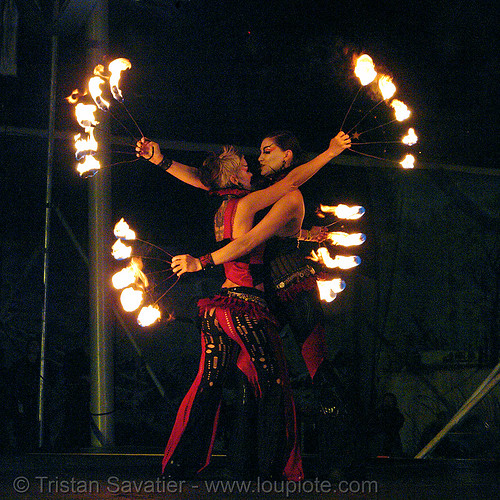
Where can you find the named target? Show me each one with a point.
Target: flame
(365, 69)
(339, 261)
(387, 88)
(408, 161)
(346, 239)
(123, 278)
(148, 315)
(131, 299)
(123, 231)
(85, 146)
(89, 167)
(120, 251)
(75, 95)
(100, 70)
(116, 67)
(343, 211)
(410, 138)
(401, 110)
(85, 115)
(130, 274)
(95, 91)
(136, 263)
(328, 289)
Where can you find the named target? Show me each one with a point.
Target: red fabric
(238, 192)
(244, 362)
(237, 307)
(238, 271)
(183, 416)
(293, 470)
(314, 349)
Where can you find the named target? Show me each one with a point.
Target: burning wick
(387, 89)
(148, 315)
(131, 299)
(85, 146)
(116, 67)
(409, 139)
(328, 290)
(365, 71)
(400, 109)
(122, 230)
(95, 91)
(339, 261)
(343, 211)
(408, 161)
(346, 239)
(120, 251)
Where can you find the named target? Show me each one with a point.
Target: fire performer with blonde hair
(238, 319)
(290, 279)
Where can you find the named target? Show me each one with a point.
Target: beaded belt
(253, 296)
(297, 276)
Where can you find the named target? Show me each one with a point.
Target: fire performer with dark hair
(290, 280)
(238, 319)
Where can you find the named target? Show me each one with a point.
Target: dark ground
(117, 475)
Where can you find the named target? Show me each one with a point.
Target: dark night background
(215, 72)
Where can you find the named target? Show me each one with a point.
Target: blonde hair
(219, 167)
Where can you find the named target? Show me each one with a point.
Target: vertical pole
(48, 211)
(101, 369)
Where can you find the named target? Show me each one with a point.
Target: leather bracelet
(206, 261)
(165, 163)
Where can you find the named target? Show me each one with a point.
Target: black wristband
(165, 163)
(206, 261)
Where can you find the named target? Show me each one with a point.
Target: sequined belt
(251, 296)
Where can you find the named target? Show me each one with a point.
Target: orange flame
(95, 91)
(328, 289)
(99, 70)
(410, 138)
(85, 145)
(123, 231)
(131, 299)
(85, 115)
(148, 315)
(401, 110)
(116, 67)
(130, 274)
(120, 251)
(365, 69)
(408, 161)
(88, 167)
(123, 278)
(386, 87)
(339, 261)
(75, 95)
(346, 239)
(343, 211)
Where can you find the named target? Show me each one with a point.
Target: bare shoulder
(293, 197)
(292, 204)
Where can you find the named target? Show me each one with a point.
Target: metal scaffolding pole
(48, 213)
(487, 385)
(101, 335)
